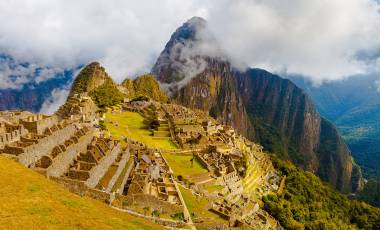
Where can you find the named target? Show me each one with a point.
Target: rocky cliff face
(262, 106)
(214, 90)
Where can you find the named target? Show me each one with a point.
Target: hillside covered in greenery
(107, 95)
(308, 203)
(353, 105)
(145, 85)
(94, 80)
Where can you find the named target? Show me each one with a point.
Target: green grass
(199, 206)
(130, 124)
(181, 165)
(213, 187)
(30, 201)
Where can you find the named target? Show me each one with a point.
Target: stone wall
(12, 136)
(165, 222)
(129, 170)
(144, 200)
(118, 172)
(62, 162)
(99, 170)
(39, 123)
(45, 145)
(81, 189)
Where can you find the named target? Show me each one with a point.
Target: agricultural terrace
(131, 125)
(252, 177)
(199, 208)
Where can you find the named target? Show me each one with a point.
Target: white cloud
(319, 39)
(13, 75)
(125, 36)
(57, 98)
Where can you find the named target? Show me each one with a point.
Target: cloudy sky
(320, 39)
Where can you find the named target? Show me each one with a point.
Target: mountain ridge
(265, 108)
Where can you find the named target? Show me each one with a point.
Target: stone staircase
(162, 131)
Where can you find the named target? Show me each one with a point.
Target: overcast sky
(321, 39)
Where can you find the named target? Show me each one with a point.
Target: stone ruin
(92, 164)
(10, 133)
(78, 107)
(151, 183)
(69, 148)
(38, 123)
(218, 163)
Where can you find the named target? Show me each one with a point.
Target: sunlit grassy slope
(30, 201)
(131, 125)
(181, 164)
(199, 207)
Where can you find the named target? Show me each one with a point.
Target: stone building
(10, 133)
(38, 123)
(151, 183)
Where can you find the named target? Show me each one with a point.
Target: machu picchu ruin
(148, 158)
(130, 156)
(193, 115)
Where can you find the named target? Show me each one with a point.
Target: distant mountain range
(353, 105)
(29, 87)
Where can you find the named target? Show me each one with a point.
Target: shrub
(311, 204)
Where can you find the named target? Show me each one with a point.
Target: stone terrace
(151, 183)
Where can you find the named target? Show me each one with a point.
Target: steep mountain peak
(89, 78)
(187, 53)
(188, 31)
(197, 20)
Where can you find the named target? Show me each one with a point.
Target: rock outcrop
(262, 106)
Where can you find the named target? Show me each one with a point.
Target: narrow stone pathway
(186, 212)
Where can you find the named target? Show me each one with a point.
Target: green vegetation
(181, 164)
(81, 82)
(107, 95)
(211, 187)
(354, 106)
(93, 80)
(199, 207)
(307, 203)
(131, 125)
(251, 178)
(371, 193)
(147, 86)
(28, 200)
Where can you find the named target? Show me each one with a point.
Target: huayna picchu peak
(197, 142)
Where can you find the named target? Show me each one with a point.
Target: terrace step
(161, 138)
(201, 178)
